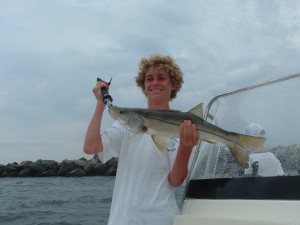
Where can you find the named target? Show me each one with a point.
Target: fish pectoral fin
(160, 142)
(197, 110)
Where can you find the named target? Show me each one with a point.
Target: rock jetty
(69, 168)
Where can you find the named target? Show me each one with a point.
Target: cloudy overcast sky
(52, 51)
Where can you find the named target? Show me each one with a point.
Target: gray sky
(52, 51)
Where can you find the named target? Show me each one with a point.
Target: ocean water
(57, 200)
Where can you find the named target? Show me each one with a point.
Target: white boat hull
(238, 212)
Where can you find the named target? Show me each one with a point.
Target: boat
(217, 189)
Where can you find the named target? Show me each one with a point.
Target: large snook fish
(163, 124)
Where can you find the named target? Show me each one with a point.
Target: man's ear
(173, 87)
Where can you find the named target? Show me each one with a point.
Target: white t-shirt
(268, 164)
(142, 193)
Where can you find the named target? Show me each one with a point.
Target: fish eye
(121, 111)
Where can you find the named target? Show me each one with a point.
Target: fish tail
(239, 150)
(250, 141)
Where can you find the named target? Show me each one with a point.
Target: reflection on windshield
(273, 106)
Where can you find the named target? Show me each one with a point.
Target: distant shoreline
(70, 168)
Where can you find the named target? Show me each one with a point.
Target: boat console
(218, 190)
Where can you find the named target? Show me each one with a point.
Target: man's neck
(158, 106)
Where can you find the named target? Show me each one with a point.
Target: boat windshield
(271, 110)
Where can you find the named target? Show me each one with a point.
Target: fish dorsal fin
(197, 110)
(160, 142)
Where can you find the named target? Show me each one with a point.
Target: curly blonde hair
(166, 63)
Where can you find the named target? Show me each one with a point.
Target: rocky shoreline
(68, 168)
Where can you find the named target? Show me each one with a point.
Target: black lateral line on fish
(215, 134)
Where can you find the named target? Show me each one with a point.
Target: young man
(146, 178)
